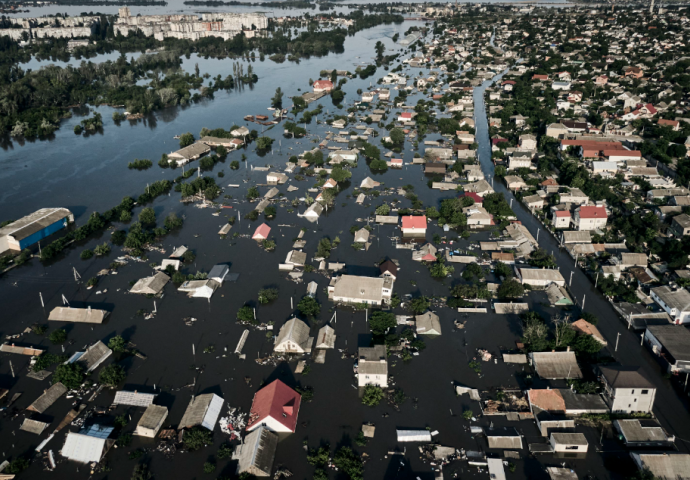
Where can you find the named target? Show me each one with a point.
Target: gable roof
(278, 401)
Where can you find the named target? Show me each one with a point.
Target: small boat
(176, 137)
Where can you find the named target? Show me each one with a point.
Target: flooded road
(630, 352)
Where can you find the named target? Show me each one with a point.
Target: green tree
(380, 322)
(71, 375)
(117, 344)
(309, 307)
(196, 438)
(419, 305)
(267, 295)
(186, 139)
(340, 174)
(58, 337)
(380, 48)
(372, 396)
(112, 375)
(246, 314)
(173, 222)
(397, 136)
(349, 463)
(147, 217)
(510, 289)
(277, 100)
(383, 209)
(264, 143)
(252, 193)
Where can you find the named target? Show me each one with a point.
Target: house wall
(379, 380)
(565, 448)
(677, 316)
(630, 400)
(584, 224)
(272, 424)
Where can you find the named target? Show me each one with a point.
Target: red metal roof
(262, 231)
(323, 84)
(592, 212)
(414, 221)
(622, 153)
(477, 199)
(278, 401)
(406, 115)
(548, 400)
(562, 213)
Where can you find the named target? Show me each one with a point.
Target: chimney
(567, 349)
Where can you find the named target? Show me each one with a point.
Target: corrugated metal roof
(134, 399)
(34, 222)
(414, 435)
(83, 448)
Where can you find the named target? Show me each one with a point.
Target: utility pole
(584, 297)
(76, 274)
(617, 337)
(570, 283)
(41, 297)
(538, 230)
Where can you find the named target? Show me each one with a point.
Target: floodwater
(89, 174)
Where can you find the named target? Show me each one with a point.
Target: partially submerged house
(29, 230)
(325, 338)
(505, 438)
(151, 285)
(92, 357)
(664, 465)
(293, 337)
(428, 324)
(203, 410)
(276, 407)
(366, 290)
(643, 433)
(151, 421)
(48, 398)
(568, 442)
(555, 365)
(372, 367)
(78, 315)
(626, 390)
(261, 233)
(255, 455)
(313, 212)
(672, 344)
(199, 288)
(89, 445)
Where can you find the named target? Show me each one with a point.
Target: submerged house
(32, 228)
(275, 407)
(151, 421)
(203, 410)
(151, 285)
(89, 445)
(293, 337)
(92, 357)
(255, 455)
(372, 368)
(366, 290)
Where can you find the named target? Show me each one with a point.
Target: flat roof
(674, 338)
